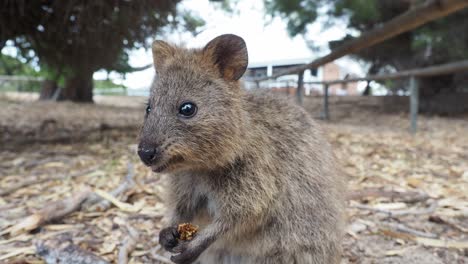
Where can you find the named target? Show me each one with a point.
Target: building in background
(287, 84)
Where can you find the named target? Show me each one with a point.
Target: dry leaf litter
(71, 186)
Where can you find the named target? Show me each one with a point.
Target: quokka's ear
(229, 54)
(161, 52)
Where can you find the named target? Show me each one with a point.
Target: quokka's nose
(146, 154)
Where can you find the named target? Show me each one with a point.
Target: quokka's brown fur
(252, 170)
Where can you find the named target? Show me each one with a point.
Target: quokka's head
(194, 117)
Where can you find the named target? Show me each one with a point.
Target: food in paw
(187, 231)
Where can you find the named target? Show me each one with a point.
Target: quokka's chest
(200, 200)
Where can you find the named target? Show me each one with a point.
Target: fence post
(326, 114)
(300, 88)
(414, 103)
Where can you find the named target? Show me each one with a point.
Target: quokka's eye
(148, 109)
(187, 109)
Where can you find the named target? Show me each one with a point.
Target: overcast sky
(267, 40)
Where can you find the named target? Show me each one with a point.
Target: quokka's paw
(168, 238)
(186, 253)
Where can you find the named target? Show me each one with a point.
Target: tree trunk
(368, 90)
(78, 88)
(48, 90)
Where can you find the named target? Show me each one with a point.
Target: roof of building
(285, 62)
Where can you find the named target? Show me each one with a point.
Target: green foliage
(191, 23)
(298, 13)
(109, 87)
(13, 66)
(82, 35)
(227, 6)
(445, 39)
(107, 84)
(73, 39)
(361, 12)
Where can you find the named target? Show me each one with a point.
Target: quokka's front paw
(187, 253)
(168, 238)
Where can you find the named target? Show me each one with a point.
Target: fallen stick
(428, 210)
(407, 197)
(59, 209)
(126, 207)
(97, 203)
(428, 242)
(451, 223)
(16, 252)
(26, 183)
(128, 245)
(405, 229)
(79, 135)
(35, 163)
(51, 212)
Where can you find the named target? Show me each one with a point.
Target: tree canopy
(75, 38)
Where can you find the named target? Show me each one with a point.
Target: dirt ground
(407, 201)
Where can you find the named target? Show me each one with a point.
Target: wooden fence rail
(413, 85)
(8, 78)
(420, 72)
